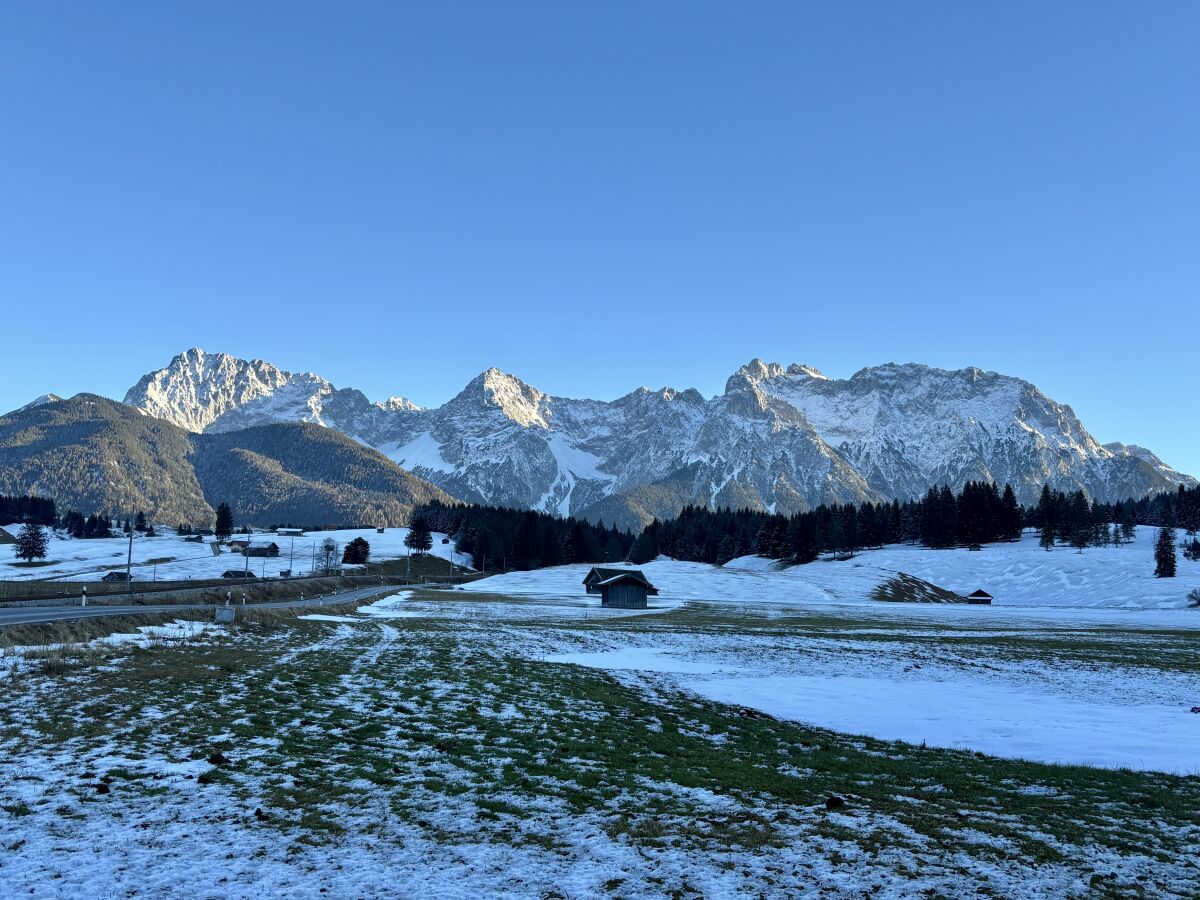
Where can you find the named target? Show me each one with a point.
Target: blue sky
(601, 196)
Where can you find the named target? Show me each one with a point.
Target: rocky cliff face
(780, 438)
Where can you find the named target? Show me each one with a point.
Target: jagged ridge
(781, 438)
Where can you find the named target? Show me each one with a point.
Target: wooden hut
(979, 598)
(620, 588)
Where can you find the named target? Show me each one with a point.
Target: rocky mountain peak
(398, 404)
(499, 390)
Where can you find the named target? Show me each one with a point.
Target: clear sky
(597, 196)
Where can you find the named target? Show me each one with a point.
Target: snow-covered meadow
(921, 684)
(740, 738)
(1017, 574)
(167, 556)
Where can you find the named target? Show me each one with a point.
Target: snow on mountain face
(37, 401)
(778, 438)
(197, 388)
(907, 427)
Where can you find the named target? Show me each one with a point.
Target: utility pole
(129, 566)
(292, 560)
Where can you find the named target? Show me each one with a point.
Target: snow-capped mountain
(201, 391)
(777, 438)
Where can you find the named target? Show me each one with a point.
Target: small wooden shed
(238, 573)
(260, 548)
(115, 576)
(979, 598)
(620, 588)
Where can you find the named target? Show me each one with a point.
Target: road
(30, 615)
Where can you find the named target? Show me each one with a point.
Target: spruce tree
(1164, 553)
(419, 538)
(224, 526)
(1046, 541)
(31, 542)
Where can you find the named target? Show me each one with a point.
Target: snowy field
(757, 733)
(463, 744)
(923, 691)
(168, 557)
(1017, 574)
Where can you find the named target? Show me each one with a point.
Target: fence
(43, 591)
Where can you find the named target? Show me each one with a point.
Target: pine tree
(1010, 517)
(1164, 553)
(1046, 541)
(419, 538)
(31, 542)
(224, 526)
(139, 522)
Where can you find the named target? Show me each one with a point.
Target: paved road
(37, 614)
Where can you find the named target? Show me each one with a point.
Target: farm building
(289, 532)
(116, 576)
(261, 548)
(979, 598)
(619, 588)
(237, 573)
(238, 546)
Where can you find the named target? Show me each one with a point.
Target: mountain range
(286, 446)
(779, 438)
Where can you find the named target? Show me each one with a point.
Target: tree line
(38, 510)
(978, 514)
(501, 539)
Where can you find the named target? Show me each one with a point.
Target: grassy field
(435, 750)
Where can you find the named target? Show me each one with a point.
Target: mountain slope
(93, 454)
(308, 474)
(778, 438)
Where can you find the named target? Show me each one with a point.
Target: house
(620, 588)
(116, 576)
(237, 573)
(289, 532)
(259, 548)
(979, 598)
(239, 546)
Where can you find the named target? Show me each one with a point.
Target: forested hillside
(98, 456)
(308, 474)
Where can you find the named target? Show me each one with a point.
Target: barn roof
(599, 573)
(981, 594)
(616, 576)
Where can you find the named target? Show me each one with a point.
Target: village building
(979, 598)
(261, 548)
(116, 576)
(619, 588)
(238, 573)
